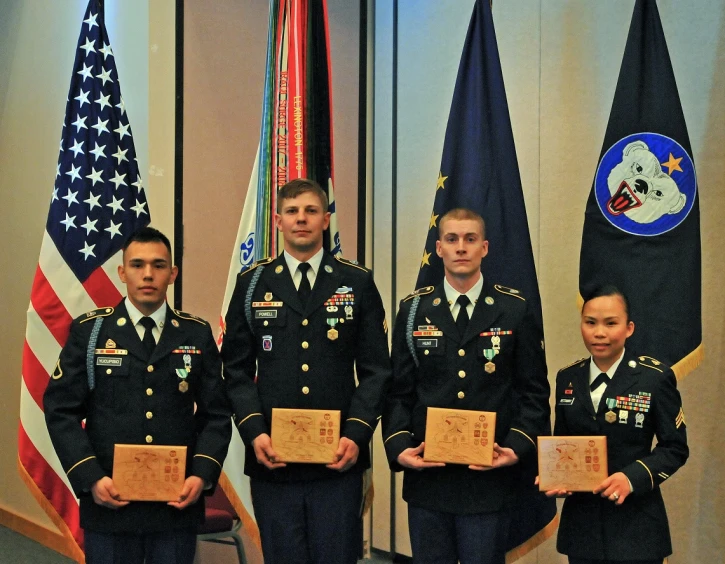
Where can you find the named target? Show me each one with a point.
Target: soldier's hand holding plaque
(149, 472)
(572, 464)
(459, 436)
(306, 435)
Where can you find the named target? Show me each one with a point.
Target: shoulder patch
(184, 315)
(573, 363)
(509, 291)
(653, 363)
(419, 292)
(352, 263)
(100, 312)
(256, 264)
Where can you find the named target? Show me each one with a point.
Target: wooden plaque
(574, 464)
(306, 435)
(459, 436)
(149, 472)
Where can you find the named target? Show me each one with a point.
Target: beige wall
(560, 62)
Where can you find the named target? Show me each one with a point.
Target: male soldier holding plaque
(139, 373)
(466, 344)
(299, 329)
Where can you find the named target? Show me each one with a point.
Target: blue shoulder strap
(409, 329)
(248, 296)
(91, 352)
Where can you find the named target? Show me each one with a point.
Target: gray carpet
(17, 549)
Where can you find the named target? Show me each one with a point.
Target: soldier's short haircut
(148, 235)
(461, 214)
(297, 187)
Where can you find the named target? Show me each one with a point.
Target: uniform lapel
(171, 337)
(581, 387)
(624, 378)
(325, 283)
(440, 315)
(484, 315)
(279, 281)
(123, 332)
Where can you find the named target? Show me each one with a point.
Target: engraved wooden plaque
(306, 435)
(149, 472)
(459, 436)
(574, 464)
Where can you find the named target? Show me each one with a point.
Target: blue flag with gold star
(642, 220)
(479, 171)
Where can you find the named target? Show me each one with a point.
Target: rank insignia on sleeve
(679, 420)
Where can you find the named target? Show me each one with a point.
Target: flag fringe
(686, 365)
(69, 547)
(544, 534)
(249, 525)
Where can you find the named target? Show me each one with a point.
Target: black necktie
(462, 319)
(598, 381)
(148, 340)
(304, 289)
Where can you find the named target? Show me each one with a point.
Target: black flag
(642, 221)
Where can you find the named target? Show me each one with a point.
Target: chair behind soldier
(221, 521)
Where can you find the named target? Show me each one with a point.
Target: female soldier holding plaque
(629, 399)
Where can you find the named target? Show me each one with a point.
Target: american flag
(97, 201)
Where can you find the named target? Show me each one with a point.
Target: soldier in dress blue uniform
(299, 330)
(466, 344)
(131, 390)
(630, 399)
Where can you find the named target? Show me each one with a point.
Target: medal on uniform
(611, 403)
(332, 332)
(268, 297)
(639, 420)
(610, 416)
(490, 367)
(187, 362)
(496, 344)
(182, 373)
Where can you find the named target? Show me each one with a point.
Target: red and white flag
(97, 201)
